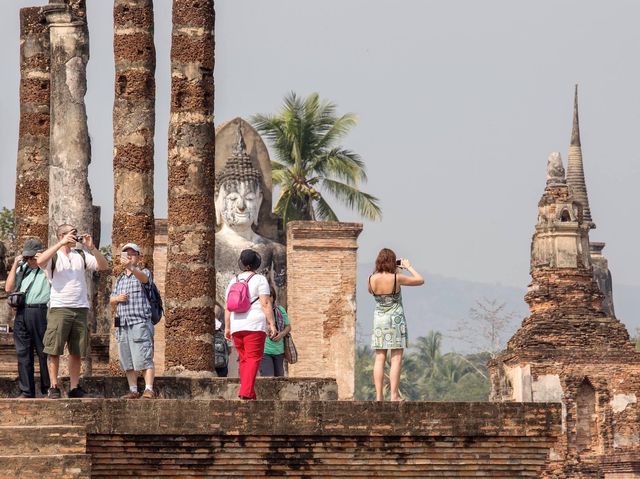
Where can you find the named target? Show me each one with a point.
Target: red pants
(250, 347)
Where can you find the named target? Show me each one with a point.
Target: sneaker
(131, 395)
(24, 395)
(149, 394)
(54, 393)
(77, 393)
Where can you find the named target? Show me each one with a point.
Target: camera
(398, 262)
(79, 239)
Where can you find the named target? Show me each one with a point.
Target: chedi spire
(575, 168)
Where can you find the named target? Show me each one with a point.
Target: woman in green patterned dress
(389, 323)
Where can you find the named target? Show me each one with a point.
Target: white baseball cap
(132, 246)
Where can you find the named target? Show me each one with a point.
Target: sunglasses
(28, 257)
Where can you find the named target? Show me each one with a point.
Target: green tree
(7, 225)
(309, 163)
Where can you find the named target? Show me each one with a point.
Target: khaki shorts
(67, 326)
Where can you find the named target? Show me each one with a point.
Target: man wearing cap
(134, 329)
(66, 268)
(31, 318)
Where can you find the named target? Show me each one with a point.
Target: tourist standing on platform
(389, 322)
(134, 328)
(272, 363)
(31, 317)
(248, 327)
(69, 304)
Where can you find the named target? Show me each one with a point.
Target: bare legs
(378, 373)
(75, 363)
(396, 367)
(394, 373)
(53, 363)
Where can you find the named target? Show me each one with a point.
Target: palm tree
(308, 163)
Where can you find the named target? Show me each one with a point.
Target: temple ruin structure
(570, 350)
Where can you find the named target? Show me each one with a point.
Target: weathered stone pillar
(32, 169)
(321, 269)
(133, 131)
(70, 198)
(190, 286)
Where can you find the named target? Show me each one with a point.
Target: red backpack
(239, 297)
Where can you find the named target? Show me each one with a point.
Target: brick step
(44, 440)
(60, 466)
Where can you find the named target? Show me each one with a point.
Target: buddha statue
(238, 197)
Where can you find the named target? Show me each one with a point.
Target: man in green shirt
(31, 318)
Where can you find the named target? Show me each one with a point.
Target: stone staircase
(44, 451)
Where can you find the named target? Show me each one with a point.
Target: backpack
(155, 300)
(221, 350)
(239, 297)
(54, 258)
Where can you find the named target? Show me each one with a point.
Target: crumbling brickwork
(190, 285)
(568, 350)
(32, 169)
(321, 266)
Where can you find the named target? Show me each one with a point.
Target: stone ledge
(171, 387)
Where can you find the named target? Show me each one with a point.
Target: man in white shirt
(69, 303)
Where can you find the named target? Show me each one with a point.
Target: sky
(459, 103)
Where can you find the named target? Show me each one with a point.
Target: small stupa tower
(569, 350)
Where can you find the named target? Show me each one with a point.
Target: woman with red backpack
(248, 316)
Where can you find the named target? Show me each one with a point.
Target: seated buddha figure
(238, 196)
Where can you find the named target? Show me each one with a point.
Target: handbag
(18, 299)
(290, 351)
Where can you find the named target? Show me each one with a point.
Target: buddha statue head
(238, 192)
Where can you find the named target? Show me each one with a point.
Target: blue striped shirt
(137, 308)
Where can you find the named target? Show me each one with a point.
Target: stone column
(133, 131)
(321, 269)
(32, 169)
(190, 286)
(70, 198)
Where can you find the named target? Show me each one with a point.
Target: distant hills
(443, 301)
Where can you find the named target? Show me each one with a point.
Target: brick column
(321, 271)
(32, 168)
(133, 131)
(190, 286)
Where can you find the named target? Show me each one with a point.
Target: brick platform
(175, 438)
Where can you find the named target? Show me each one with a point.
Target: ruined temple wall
(321, 269)
(190, 295)
(600, 409)
(32, 168)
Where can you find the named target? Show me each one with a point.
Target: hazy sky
(460, 103)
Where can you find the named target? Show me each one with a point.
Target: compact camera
(398, 262)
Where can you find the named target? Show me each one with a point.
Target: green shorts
(67, 326)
